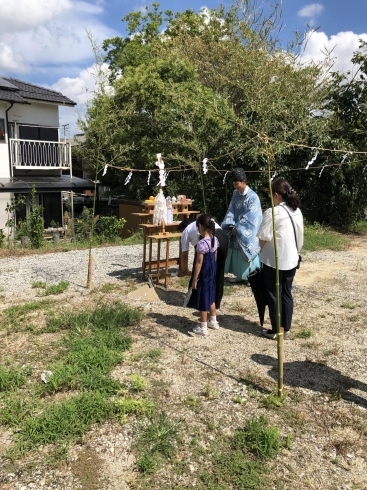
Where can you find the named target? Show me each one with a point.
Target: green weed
(39, 284)
(234, 466)
(304, 333)
(10, 379)
(130, 406)
(317, 237)
(65, 421)
(117, 316)
(135, 239)
(258, 437)
(138, 383)
(15, 316)
(15, 408)
(184, 281)
(56, 288)
(157, 441)
(272, 401)
(347, 305)
(153, 354)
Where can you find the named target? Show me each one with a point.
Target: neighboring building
(31, 150)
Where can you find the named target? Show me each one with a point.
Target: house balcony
(40, 155)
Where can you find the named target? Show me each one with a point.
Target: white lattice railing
(34, 154)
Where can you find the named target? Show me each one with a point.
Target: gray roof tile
(28, 91)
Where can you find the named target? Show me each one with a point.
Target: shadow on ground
(317, 377)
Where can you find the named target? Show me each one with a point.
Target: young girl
(203, 281)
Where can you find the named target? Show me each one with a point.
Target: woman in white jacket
(289, 239)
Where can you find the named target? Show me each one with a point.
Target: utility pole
(64, 126)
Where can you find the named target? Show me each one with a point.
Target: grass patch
(138, 383)
(16, 316)
(157, 442)
(317, 237)
(152, 354)
(258, 437)
(65, 421)
(39, 284)
(348, 306)
(93, 346)
(126, 406)
(304, 333)
(93, 343)
(184, 281)
(136, 238)
(58, 288)
(11, 379)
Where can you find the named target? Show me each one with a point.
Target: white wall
(36, 113)
(5, 197)
(4, 153)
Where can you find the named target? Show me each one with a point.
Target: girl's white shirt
(190, 235)
(286, 244)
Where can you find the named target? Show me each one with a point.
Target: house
(32, 153)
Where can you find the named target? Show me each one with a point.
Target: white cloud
(311, 10)
(9, 61)
(341, 46)
(47, 33)
(80, 89)
(19, 15)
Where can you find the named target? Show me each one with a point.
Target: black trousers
(221, 260)
(286, 298)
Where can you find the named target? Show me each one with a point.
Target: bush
(2, 237)
(109, 226)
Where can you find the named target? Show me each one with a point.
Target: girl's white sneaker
(200, 330)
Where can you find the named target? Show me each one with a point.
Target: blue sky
(45, 41)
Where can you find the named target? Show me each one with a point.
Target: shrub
(109, 226)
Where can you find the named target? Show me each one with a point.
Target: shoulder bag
(295, 237)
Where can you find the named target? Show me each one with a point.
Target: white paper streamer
(224, 178)
(312, 160)
(105, 170)
(128, 178)
(205, 166)
(321, 171)
(162, 173)
(149, 174)
(364, 169)
(344, 157)
(274, 175)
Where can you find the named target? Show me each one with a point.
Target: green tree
(214, 84)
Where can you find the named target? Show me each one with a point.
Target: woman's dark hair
(207, 222)
(284, 189)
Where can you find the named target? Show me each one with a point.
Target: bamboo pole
(90, 257)
(280, 330)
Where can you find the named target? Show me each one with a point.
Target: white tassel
(128, 178)
(224, 178)
(105, 170)
(205, 166)
(312, 160)
(321, 171)
(274, 175)
(149, 174)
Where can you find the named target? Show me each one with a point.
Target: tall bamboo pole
(280, 330)
(90, 257)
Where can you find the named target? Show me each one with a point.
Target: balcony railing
(34, 154)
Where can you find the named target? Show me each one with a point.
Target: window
(2, 130)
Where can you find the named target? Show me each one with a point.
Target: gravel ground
(324, 375)
(110, 264)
